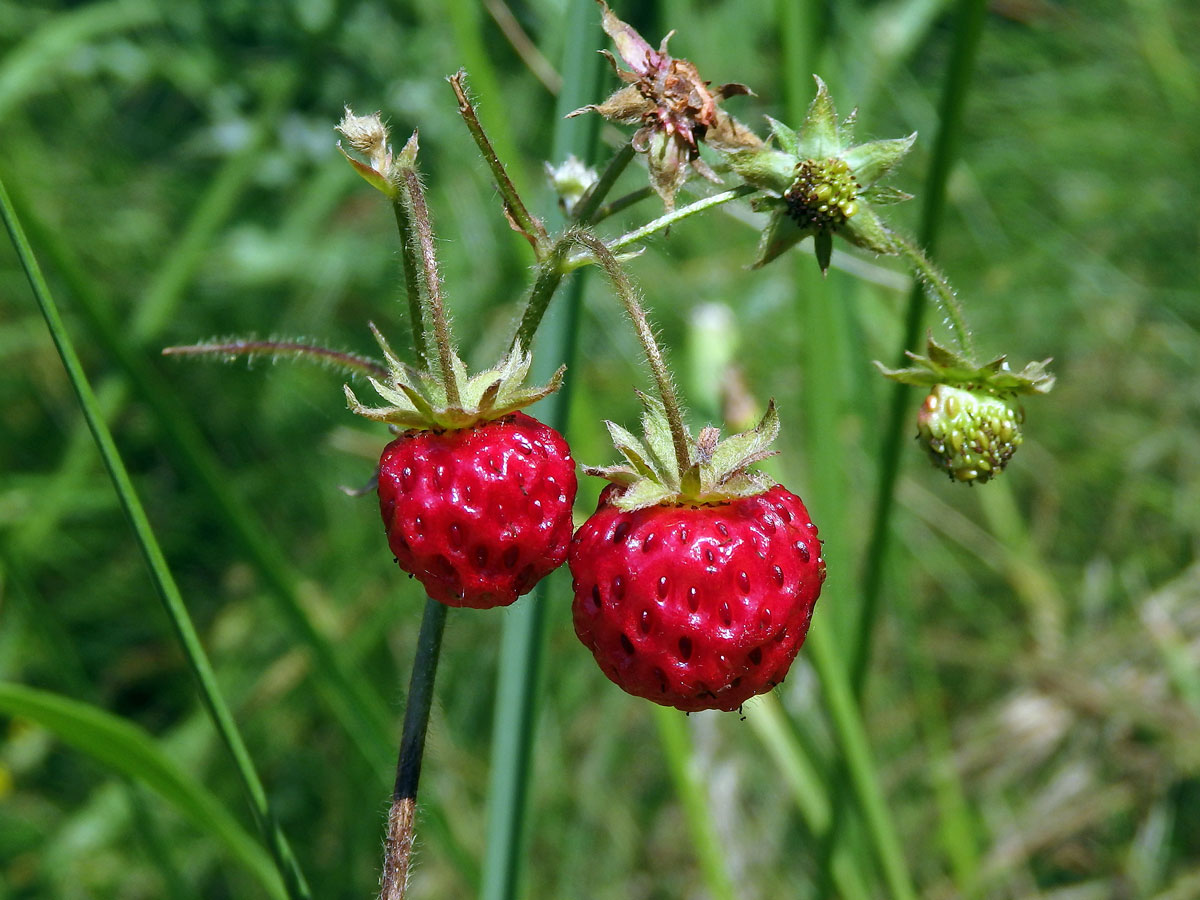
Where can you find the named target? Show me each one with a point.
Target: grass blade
(164, 583)
(523, 641)
(690, 786)
(127, 749)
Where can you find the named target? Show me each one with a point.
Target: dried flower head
(674, 106)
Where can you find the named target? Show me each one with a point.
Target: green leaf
(127, 749)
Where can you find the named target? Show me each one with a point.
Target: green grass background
(1033, 701)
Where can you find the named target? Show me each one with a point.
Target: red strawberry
(698, 606)
(695, 589)
(478, 515)
(476, 496)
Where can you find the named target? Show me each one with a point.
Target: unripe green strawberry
(970, 433)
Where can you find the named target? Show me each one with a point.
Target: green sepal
(375, 179)
(819, 130)
(789, 141)
(875, 159)
(418, 398)
(719, 470)
(942, 365)
(867, 230)
(823, 248)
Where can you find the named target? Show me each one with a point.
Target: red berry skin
(697, 607)
(478, 515)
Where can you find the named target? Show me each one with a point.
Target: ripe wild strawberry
(695, 590)
(480, 514)
(475, 496)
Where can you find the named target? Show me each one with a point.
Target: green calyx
(943, 366)
(817, 182)
(420, 399)
(717, 470)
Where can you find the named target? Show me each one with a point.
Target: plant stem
(350, 363)
(586, 208)
(414, 196)
(412, 280)
(622, 202)
(549, 276)
(939, 285)
(514, 206)
(678, 215)
(628, 295)
(164, 582)
(401, 817)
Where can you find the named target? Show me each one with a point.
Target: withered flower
(674, 106)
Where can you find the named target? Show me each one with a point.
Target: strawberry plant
(694, 583)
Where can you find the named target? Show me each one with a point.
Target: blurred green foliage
(176, 170)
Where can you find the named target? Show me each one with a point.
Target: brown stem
(520, 217)
(658, 367)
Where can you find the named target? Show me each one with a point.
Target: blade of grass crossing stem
(820, 365)
(952, 807)
(523, 641)
(127, 749)
(168, 592)
(350, 697)
(778, 736)
(693, 792)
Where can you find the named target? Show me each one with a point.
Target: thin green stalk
(402, 815)
(522, 648)
(343, 361)
(588, 206)
(168, 592)
(514, 206)
(549, 276)
(933, 278)
(412, 283)
(693, 793)
(628, 295)
(666, 221)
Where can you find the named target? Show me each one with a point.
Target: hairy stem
(397, 853)
(350, 363)
(549, 276)
(412, 280)
(939, 286)
(519, 215)
(658, 367)
(414, 197)
(666, 221)
(586, 208)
